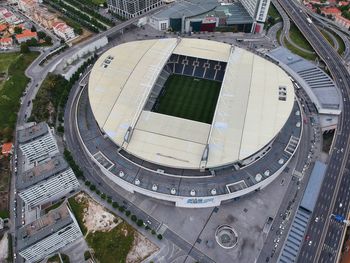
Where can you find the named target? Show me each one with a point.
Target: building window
(162, 26)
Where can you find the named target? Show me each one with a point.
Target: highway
(325, 234)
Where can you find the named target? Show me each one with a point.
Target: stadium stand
(188, 66)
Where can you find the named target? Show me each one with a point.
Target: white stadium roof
(248, 114)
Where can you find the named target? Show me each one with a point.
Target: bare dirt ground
(86, 34)
(142, 248)
(3, 248)
(96, 217)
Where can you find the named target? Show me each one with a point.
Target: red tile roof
(6, 148)
(27, 34)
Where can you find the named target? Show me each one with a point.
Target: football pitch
(189, 98)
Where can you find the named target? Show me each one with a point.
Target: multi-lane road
(335, 192)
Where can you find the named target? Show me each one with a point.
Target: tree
(92, 187)
(87, 183)
(41, 34)
(160, 237)
(127, 212)
(18, 30)
(48, 40)
(139, 222)
(103, 196)
(115, 205)
(32, 42)
(33, 29)
(134, 218)
(24, 48)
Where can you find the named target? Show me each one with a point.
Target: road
(92, 173)
(335, 192)
(37, 74)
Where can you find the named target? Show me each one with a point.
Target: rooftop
(186, 9)
(29, 134)
(314, 186)
(44, 226)
(319, 86)
(26, 33)
(42, 171)
(248, 114)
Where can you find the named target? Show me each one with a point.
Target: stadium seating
(188, 66)
(196, 67)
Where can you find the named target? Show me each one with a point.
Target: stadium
(191, 121)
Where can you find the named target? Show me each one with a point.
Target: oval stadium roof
(250, 109)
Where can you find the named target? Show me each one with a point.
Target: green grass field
(12, 85)
(189, 98)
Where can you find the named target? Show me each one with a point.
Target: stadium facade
(252, 134)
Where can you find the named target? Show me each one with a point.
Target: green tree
(24, 48)
(18, 30)
(139, 222)
(33, 29)
(41, 34)
(48, 40)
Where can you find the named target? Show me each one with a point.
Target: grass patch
(54, 258)
(98, 2)
(273, 17)
(299, 52)
(298, 38)
(52, 207)
(4, 214)
(341, 48)
(78, 211)
(327, 141)
(12, 89)
(327, 37)
(189, 98)
(65, 258)
(112, 246)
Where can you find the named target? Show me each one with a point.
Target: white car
(340, 205)
(310, 242)
(316, 219)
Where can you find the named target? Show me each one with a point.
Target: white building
(51, 189)
(257, 9)
(64, 31)
(48, 234)
(132, 8)
(37, 143)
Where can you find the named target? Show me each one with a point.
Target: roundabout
(226, 236)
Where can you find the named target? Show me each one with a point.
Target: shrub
(140, 222)
(87, 255)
